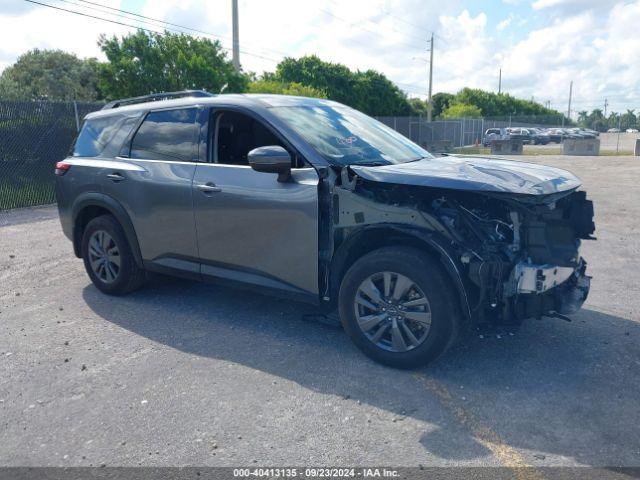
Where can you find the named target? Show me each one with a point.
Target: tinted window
(103, 137)
(166, 135)
(238, 134)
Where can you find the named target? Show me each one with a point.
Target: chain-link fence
(33, 137)
(444, 135)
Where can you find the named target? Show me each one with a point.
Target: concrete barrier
(506, 147)
(581, 146)
(636, 150)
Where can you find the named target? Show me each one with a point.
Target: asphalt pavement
(182, 373)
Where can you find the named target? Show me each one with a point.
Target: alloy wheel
(392, 311)
(104, 256)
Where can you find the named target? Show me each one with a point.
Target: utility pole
(236, 35)
(429, 101)
(570, 93)
(606, 104)
(500, 81)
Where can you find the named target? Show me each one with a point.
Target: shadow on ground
(566, 389)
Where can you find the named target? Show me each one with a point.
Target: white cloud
(595, 51)
(593, 42)
(464, 53)
(504, 23)
(40, 27)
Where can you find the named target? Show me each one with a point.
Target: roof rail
(154, 97)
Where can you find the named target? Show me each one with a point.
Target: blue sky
(541, 45)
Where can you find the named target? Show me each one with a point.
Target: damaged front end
(512, 255)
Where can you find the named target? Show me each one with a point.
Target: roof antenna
(224, 87)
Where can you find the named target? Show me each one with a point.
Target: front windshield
(344, 136)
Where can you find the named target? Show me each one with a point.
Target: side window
(235, 135)
(103, 136)
(166, 135)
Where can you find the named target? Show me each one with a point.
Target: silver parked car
(312, 200)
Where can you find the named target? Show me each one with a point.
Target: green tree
(596, 120)
(441, 101)
(583, 118)
(418, 107)
(142, 63)
(628, 119)
(368, 91)
(613, 120)
(503, 105)
(461, 110)
(52, 75)
(274, 86)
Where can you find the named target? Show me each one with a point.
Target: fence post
(618, 139)
(410, 129)
(75, 110)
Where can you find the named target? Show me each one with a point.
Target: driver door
(250, 227)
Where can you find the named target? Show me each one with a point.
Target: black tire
(429, 276)
(129, 276)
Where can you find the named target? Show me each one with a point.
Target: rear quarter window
(103, 136)
(168, 135)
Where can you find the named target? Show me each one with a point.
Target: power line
(145, 19)
(203, 32)
(91, 16)
(387, 27)
(135, 26)
(354, 24)
(173, 30)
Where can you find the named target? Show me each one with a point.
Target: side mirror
(271, 159)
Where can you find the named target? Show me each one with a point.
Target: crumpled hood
(474, 174)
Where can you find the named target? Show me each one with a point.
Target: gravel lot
(183, 373)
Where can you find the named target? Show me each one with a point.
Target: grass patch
(28, 194)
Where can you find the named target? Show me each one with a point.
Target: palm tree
(596, 120)
(629, 119)
(583, 118)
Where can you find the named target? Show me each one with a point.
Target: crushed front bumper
(544, 290)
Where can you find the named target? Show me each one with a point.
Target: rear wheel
(397, 306)
(108, 258)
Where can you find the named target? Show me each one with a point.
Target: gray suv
(312, 200)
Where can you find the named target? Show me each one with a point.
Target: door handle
(209, 188)
(116, 177)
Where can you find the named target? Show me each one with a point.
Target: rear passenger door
(154, 186)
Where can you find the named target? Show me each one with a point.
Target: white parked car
(632, 130)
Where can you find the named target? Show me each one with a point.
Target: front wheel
(397, 306)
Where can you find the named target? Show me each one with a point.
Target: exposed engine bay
(516, 256)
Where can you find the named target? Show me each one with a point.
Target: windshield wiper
(415, 159)
(370, 164)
